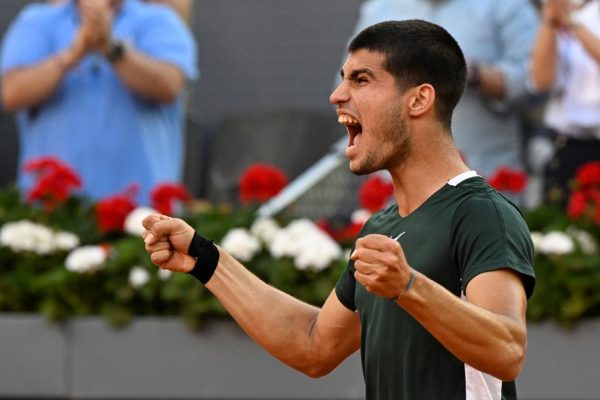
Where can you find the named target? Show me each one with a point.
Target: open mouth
(353, 127)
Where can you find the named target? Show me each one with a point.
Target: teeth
(347, 120)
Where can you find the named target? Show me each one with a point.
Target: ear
(421, 100)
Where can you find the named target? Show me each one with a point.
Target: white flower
(317, 252)
(536, 238)
(86, 259)
(265, 229)
(585, 240)
(133, 221)
(287, 241)
(557, 243)
(360, 216)
(65, 241)
(307, 244)
(283, 245)
(241, 244)
(25, 235)
(138, 277)
(164, 274)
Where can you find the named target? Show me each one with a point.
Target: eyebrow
(355, 73)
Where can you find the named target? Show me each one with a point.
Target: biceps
(501, 292)
(337, 329)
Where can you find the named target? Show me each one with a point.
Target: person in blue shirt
(100, 85)
(497, 38)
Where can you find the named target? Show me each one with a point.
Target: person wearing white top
(566, 63)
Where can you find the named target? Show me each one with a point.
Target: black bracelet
(207, 258)
(411, 280)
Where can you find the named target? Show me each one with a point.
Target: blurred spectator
(182, 7)
(99, 84)
(496, 38)
(566, 63)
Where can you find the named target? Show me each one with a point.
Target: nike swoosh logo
(397, 237)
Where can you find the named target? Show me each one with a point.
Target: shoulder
(36, 21)
(508, 10)
(146, 12)
(488, 233)
(481, 204)
(40, 13)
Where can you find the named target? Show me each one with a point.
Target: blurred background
(267, 68)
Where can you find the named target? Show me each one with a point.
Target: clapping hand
(96, 23)
(557, 13)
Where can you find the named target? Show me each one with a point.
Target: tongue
(356, 139)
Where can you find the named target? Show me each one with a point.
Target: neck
(429, 167)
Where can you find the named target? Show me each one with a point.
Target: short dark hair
(419, 52)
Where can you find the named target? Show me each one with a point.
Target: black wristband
(207, 258)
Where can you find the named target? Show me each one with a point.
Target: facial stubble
(394, 150)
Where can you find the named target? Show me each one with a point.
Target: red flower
(595, 196)
(588, 174)
(374, 193)
(585, 197)
(55, 181)
(165, 194)
(593, 193)
(506, 179)
(112, 211)
(43, 165)
(342, 234)
(260, 182)
(577, 205)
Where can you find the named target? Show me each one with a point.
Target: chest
(426, 240)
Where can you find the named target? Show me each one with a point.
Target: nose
(339, 95)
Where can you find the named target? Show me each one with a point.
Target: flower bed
(63, 255)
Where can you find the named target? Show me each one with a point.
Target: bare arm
(157, 80)
(501, 78)
(556, 15)
(30, 86)
(488, 331)
(491, 81)
(26, 87)
(588, 39)
(544, 58)
(302, 336)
